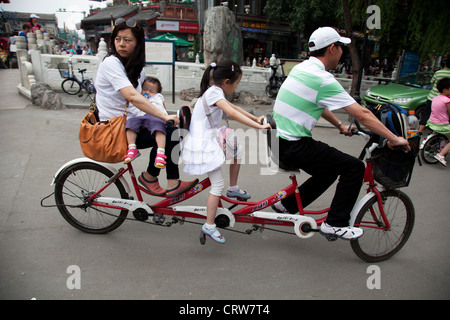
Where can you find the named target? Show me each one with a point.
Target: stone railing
(36, 66)
(40, 64)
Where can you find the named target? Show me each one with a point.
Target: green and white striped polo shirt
(441, 74)
(302, 98)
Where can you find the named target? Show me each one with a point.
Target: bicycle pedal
(331, 238)
(159, 218)
(202, 238)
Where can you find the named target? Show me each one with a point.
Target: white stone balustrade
(37, 66)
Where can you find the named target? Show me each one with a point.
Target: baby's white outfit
(158, 101)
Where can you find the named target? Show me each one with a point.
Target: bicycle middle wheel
(75, 184)
(433, 147)
(70, 86)
(378, 243)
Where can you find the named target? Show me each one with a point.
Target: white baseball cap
(325, 36)
(34, 16)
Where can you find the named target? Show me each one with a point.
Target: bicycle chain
(174, 220)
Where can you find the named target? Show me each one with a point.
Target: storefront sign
(176, 26)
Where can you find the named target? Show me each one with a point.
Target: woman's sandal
(152, 186)
(181, 187)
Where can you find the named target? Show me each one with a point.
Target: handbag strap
(94, 109)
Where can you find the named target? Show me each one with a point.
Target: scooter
(275, 82)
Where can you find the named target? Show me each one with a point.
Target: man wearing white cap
(34, 25)
(311, 92)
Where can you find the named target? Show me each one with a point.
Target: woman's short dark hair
(136, 62)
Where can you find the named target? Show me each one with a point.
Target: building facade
(184, 18)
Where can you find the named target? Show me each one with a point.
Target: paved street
(38, 248)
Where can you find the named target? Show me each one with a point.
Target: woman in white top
(119, 79)
(201, 151)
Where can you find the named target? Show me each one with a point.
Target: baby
(151, 89)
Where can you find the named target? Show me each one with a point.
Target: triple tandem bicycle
(96, 198)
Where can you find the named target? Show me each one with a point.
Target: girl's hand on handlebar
(399, 142)
(260, 119)
(266, 126)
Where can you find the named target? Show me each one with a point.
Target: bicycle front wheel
(73, 187)
(378, 242)
(432, 147)
(70, 86)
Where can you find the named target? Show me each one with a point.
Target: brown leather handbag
(103, 141)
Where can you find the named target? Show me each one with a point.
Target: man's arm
(368, 119)
(331, 118)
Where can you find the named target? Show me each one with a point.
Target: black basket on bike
(64, 70)
(393, 168)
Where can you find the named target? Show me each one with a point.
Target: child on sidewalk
(151, 89)
(201, 152)
(440, 113)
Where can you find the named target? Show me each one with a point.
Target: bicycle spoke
(379, 242)
(76, 185)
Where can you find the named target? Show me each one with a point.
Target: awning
(178, 41)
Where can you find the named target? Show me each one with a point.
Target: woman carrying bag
(118, 83)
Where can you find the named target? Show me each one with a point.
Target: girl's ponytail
(218, 72)
(204, 84)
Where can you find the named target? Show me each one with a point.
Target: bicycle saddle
(270, 120)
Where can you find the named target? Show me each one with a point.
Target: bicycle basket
(64, 70)
(393, 168)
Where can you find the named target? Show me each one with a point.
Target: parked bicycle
(71, 84)
(95, 198)
(432, 145)
(275, 82)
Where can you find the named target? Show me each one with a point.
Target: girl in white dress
(201, 152)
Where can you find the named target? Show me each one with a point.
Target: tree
(304, 15)
(308, 15)
(405, 24)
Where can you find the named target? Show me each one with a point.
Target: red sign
(176, 26)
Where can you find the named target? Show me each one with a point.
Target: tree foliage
(304, 15)
(412, 25)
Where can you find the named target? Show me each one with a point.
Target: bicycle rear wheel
(90, 89)
(70, 86)
(75, 184)
(433, 147)
(379, 243)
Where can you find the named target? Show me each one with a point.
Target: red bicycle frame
(243, 214)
